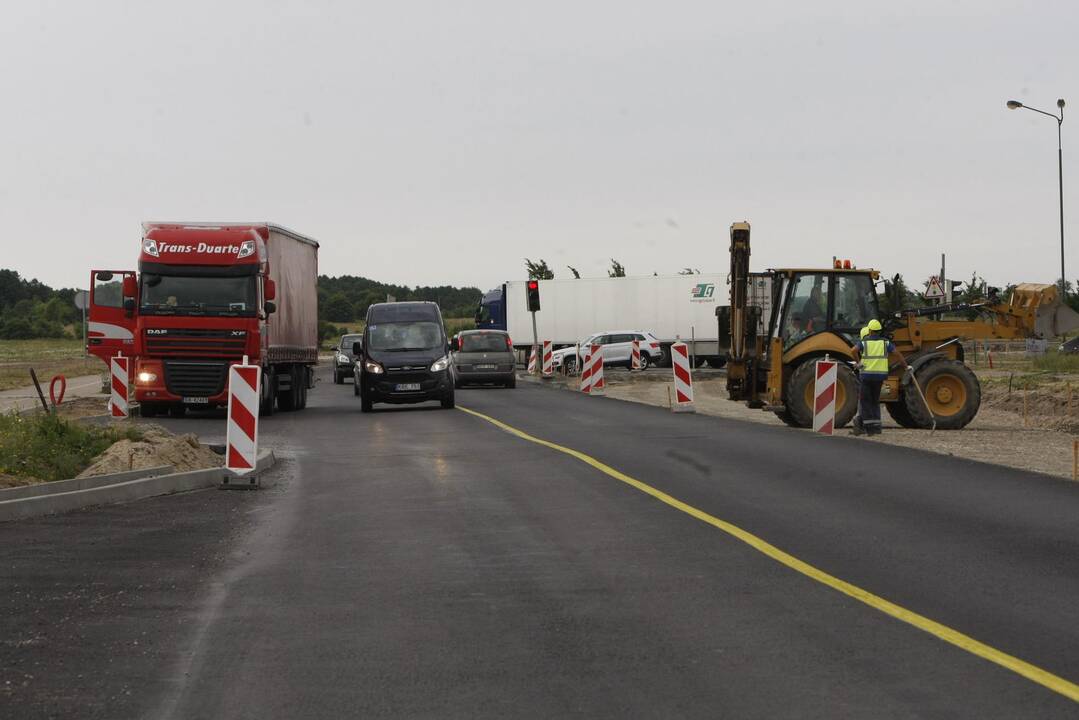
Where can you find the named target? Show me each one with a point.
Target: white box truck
(673, 307)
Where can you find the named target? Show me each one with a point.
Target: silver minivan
(483, 356)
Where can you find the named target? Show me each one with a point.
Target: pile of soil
(157, 447)
(1043, 407)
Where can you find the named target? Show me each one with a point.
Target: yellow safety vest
(875, 356)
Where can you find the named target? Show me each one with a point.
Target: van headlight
(441, 364)
(343, 359)
(373, 367)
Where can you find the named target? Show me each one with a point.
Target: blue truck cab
(491, 314)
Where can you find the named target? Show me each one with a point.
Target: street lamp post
(1014, 105)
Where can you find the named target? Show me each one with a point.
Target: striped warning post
(118, 398)
(599, 387)
(585, 363)
(824, 397)
(243, 419)
(635, 358)
(532, 361)
(548, 359)
(683, 381)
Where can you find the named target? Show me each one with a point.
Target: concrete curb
(86, 483)
(122, 491)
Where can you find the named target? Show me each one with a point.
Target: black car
(405, 356)
(344, 357)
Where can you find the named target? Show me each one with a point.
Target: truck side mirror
(270, 289)
(270, 307)
(357, 348)
(130, 287)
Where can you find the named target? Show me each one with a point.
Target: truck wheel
(289, 400)
(303, 388)
(899, 412)
(149, 409)
(266, 394)
(952, 391)
(800, 398)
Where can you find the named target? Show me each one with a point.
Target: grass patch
(47, 357)
(1056, 362)
(47, 447)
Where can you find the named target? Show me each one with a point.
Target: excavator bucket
(1039, 305)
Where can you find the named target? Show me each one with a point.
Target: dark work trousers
(869, 400)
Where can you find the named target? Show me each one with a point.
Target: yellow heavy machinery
(819, 312)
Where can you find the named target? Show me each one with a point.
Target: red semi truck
(205, 295)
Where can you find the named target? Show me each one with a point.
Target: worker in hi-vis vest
(872, 352)
(856, 423)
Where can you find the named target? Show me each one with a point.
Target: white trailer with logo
(673, 307)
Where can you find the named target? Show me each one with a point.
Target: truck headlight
(440, 364)
(145, 377)
(373, 367)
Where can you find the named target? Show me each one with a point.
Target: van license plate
(196, 400)
(406, 387)
(486, 367)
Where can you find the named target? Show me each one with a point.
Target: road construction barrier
(683, 381)
(635, 359)
(548, 359)
(586, 370)
(118, 398)
(241, 440)
(824, 397)
(532, 361)
(599, 387)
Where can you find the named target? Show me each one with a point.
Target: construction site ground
(1040, 440)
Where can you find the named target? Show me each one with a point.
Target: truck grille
(193, 342)
(195, 379)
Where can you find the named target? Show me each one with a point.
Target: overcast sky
(443, 142)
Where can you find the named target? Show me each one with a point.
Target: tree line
(32, 309)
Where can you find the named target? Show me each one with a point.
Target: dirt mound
(1044, 407)
(157, 447)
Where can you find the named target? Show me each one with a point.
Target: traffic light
(532, 290)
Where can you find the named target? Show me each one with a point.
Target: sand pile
(157, 447)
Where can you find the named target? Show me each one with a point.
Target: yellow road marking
(1032, 672)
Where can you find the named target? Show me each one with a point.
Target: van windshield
(404, 336)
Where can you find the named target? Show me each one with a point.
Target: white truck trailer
(673, 307)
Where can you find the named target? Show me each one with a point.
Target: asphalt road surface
(420, 562)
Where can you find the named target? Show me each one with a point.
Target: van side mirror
(357, 348)
(270, 307)
(455, 345)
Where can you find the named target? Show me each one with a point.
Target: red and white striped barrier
(824, 397)
(548, 359)
(532, 361)
(683, 381)
(635, 363)
(599, 387)
(586, 369)
(242, 438)
(118, 398)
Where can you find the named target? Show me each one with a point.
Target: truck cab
(201, 300)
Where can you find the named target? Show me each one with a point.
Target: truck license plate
(405, 387)
(196, 400)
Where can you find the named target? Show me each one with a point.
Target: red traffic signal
(532, 293)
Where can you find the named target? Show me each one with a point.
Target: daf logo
(154, 331)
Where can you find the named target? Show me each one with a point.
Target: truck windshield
(183, 295)
(404, 336)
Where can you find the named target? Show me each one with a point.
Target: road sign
(935, 291)
(82, 300)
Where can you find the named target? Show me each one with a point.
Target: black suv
(405, 356)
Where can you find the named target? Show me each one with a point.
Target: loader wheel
(787, 418)
(800, 394)
(899, 412)
(952, 391)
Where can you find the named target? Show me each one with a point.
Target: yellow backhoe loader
(818, 312)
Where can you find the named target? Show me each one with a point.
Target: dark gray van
(405, 356)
